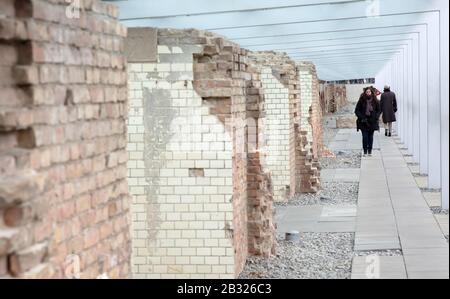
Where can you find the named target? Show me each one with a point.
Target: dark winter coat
(388, 106)
(370, 123)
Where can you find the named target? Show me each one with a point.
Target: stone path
(348, 175)
(393, 214)
(316, 219)
(348, 139)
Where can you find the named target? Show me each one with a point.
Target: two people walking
(369, 109)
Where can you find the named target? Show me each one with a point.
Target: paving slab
(378, 267)
(422, 182)
(336, 219)
(347, 175)
(394, 214)
(433, 199)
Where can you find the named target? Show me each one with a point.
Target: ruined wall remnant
(198, 210)
(333, 97)
(280, 84)
(63, 193)
(310, 126)
(261, 223)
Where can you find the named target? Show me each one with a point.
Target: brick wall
(180, 169)
(191, 213)
(333, 97)
(282, 105)
(276, 135)
(261, 223)
(63, 190)
(310, 127)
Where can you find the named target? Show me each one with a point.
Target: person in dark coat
(388, 108)
(368, 111)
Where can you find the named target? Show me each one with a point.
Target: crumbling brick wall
(261, 222)
(193, 213)
(63, 193)
(310, 128)
(282, 103)
(220, 73)
(333, 97)
(277, 121)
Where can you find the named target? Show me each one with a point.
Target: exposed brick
(58, 144)
(26, 75)
(27, 259)
(3, 266)
(13, 216)
(333, 97)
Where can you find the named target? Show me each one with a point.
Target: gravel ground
(331, 194)
(412, 164)
(317, 256)
(438, 211)
(430, 190)
(418, 175)
(344, 159)
(380, 253)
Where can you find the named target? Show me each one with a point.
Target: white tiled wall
(277, 132)
(179, 220)
(306, 99)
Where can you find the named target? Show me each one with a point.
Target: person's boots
(370, 153)
(390, 134)
(386, 133)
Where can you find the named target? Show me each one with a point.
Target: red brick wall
(285, 70)
(316, 116)
(218, 76)
(333, 97)
(310, 144)
(261, 223)
(63, 107)
(222, 71)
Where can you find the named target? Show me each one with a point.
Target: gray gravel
(413, 164)
(418, 175)
(380, 253)
(331, 194)
(317, 256)
(438, 211)
(430, 190)
(344, 159)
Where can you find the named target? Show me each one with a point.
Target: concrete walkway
(393, 214)
(316, 219)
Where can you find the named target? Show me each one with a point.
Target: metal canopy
(300, 28)
(403, 42)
